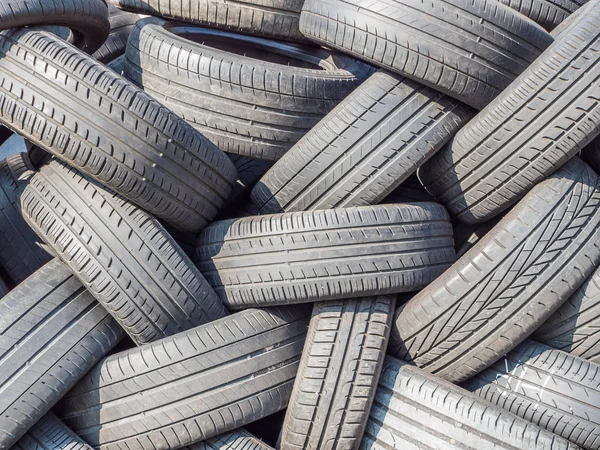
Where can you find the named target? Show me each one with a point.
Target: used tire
(466, 235)
(575, 326)
(249, 171)
(123, 255)
(552, 389)
(416, 410)
(410, 191)
(509, 283)
(591, 154)
(537, 124)
(50, 434)
(122, 138)
(4, 289)
(54, 328)
(363, 149)
(121, 24)
(21, 251)
(469, 50)
(236, 440)
(325, 255)
(548, 13)
(272, 18)
(338, 374)
(212, 379)
(248, 95)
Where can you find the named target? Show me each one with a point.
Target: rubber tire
(5, 134)
(249, 171)
(325, 255)
(123, 139)
(212, 379)
(271, 18)
(4, 289)
(339, 370)
(253, 106)
(468, 50)
(467, 236)
(121, 24)
(124, 256)
(87, 19)
(410, 191)
(21, 251)
(54, 327)
(548, 387)
(591, 154)
(548, 13)
(537, 124)
(416, 410)
(239, 439)
(575, 326)
(365, 148)
(50, 434)
(509, 283)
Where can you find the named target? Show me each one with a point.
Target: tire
(467, 236)
(5, 134)
(271, 18)
(509, 283)
(52, 326)
(123, 139)
(123, 255)
(325, 255)
(416, 410)
(212, 379)
(249, 96)
(365, 148)
(4, 289)
(537, 124)
(50, 434)
(249, 171)
(236, 440)
(591, 154)
(121, 24)
(547, 13)
(468, 50)
(21, 251)
(575, 326)
(410, 191)
(338, 374)
(548, 387)
(87, 19)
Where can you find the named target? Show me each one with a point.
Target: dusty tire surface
(548, 13)
(239, 439)
(363, 149)
(49, 433)
(549, 387)
(52, 326)
(469, 50)
(509, 283)
(123, 138)
(325, 255)
(338, 374)
(250, 96)
(121, 24)
(529, 131)
(213, 378)
(124, 256)
(415, 410)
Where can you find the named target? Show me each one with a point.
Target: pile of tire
(300, 224)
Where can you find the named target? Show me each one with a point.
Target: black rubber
(5, 133)
(552, 389)
(537, 124)
(236, 440)
(411, 190)
(21, 250)
(470, 50)
(49, 433)
(338, 374)
(271, 18)
(325, 255)
(52, 332)
(591, 154)
(191, 386)
(416, 410)
(250, 96)
(4, 289)
(575, 326)
(509, 283)
(548, 13)
(467, 235)
(249, 171)
(122, 254)
(87, 19)
(97, 121)
(121, 24)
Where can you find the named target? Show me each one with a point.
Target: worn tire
(21, 251)
(415, 410)
(52, 326)
(249, 171)
(212, 379)
(410, 191)
(122, 137)
(271, 18)
(552, 389)
(575, 326)
(123, 255)
(121, 24)
(548, 13)
(338, 374)
(248, 95)
(537, 124)
(325, 255)
(239, 439)
(591, 154)
(363, 149)
(49, 433)
(466, 236)
(4, 289)
(469, 50)
(509, 283)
